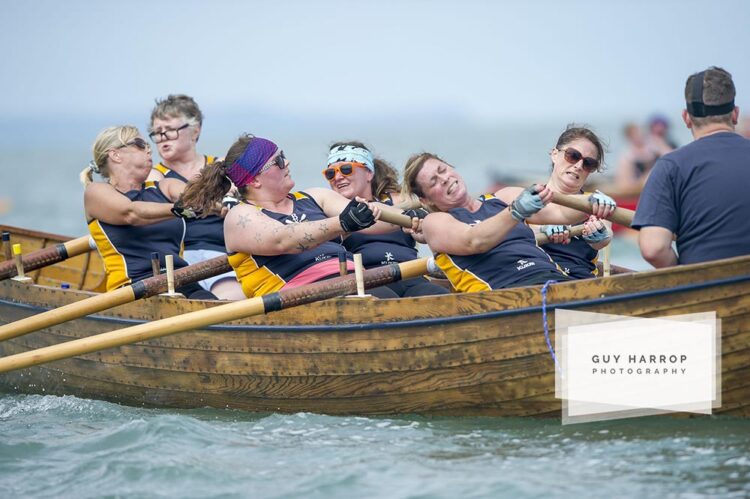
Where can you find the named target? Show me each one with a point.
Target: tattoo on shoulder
(243, 220)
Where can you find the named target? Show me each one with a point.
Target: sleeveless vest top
(126, 249)
(511, 261)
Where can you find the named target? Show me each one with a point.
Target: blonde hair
(108, 139)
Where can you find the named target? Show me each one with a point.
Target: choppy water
(70, 447)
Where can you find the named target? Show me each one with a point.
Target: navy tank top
(126, 249)
(515, 259)
(260, 274)
(202, 233)
(382, 249)
(577, 259)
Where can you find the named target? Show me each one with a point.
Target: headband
(697, 108)
(351, 153)
(244, 169)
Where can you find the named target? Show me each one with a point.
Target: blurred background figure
(743, 128)
(634, 163)
(659, 140)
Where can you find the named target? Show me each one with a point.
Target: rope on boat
(546, 324)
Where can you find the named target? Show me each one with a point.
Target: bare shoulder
(508, 194)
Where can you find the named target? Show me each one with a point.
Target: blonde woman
(128, 217)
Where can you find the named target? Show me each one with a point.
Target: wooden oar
(47, 256)
(542, 238)
(142, 289)
(280, 300)
(580, 202)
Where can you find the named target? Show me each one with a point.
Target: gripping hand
(181, 211)
(526, 204)
(356, 216)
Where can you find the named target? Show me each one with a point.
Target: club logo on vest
(522, 264)
(294, 219)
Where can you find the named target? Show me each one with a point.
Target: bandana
(353, 154)
(245, 168)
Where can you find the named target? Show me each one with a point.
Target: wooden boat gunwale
(420, 322)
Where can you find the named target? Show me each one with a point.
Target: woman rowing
(130, 218)
(577, 154)
(278, 238)
(175, 129)
(353, 172)
(485, 243)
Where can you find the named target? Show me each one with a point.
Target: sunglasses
(168, 134)
(346, 169)
(573, 156)
(137, 142)
(279, 160)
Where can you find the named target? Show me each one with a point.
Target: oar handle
(283, 299)
(580, 202)
(575, 231)
(395, 218)
(142, 289)
(47, 256)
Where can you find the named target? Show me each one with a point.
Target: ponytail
(87, 174)
(208, 188)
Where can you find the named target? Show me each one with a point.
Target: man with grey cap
(697, 194)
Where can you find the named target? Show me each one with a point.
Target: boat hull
(460, 354)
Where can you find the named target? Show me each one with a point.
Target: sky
(487, 84)
(486, 60)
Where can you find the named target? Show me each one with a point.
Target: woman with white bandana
(353, 172)
(278, 238)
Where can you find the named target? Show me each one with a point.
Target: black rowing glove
(181, 211)
(416, 213)
(356, 216)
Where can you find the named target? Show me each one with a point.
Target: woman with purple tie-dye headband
(277, 238)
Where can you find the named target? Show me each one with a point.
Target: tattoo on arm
(323, 227)
(244, 219)
(309, 237)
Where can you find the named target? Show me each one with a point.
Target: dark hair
(412, 168)
(384, 179)
(209, 187)
(574, 131)
(718, 89)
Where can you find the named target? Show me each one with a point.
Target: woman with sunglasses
(128, 217)
(278, 238)
(577, 154)
(353, 172)
(175, 129)
(485, 243)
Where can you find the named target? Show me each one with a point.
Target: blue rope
(546, 324)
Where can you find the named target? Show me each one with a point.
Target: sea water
(69, 447)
